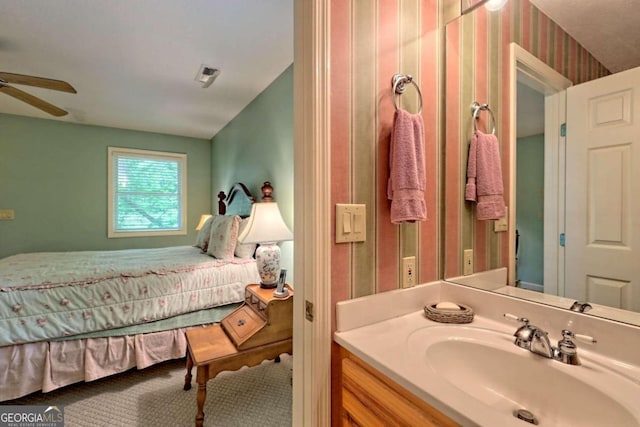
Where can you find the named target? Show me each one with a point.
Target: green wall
(257, 146)
(530, 205)
(54, 175)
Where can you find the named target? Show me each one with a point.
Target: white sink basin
(475, 375)
(489, 369)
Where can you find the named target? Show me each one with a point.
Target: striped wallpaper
(370, 41)
(477, 68)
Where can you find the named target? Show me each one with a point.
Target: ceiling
(609, 29)
(134, 62)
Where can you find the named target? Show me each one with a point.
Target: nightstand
(260, 329)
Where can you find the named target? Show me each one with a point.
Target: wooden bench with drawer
(260, 329)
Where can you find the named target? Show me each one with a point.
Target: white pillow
(244, 250)
(223, 237)
(202, 239)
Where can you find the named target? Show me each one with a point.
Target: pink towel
(407, 181)
(484, 177)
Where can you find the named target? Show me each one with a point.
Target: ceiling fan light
(207, 75)
(494, 5)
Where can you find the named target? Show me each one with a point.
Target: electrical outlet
(468, 262)
(408, 271)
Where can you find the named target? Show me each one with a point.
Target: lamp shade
(203, 219)
(265, 225)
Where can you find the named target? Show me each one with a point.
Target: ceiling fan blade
(23, 79)
(32, 100)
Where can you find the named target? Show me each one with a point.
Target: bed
(67, 317)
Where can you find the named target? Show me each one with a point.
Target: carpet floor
(153, 397)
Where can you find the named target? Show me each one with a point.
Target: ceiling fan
(6, 79)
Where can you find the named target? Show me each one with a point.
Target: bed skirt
(49, 365)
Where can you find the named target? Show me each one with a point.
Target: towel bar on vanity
(476, 108)
(399, 84)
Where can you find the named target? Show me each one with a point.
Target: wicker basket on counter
(464, 315)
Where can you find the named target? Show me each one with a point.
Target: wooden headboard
(240, 199)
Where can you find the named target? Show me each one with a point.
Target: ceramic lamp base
(268, 263)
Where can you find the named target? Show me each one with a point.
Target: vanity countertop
(378, 328)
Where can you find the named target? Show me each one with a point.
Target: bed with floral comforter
(60, 294)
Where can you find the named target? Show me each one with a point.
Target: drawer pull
(241, 322)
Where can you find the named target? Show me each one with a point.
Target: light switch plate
(351, 223)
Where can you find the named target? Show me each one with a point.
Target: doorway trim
(312, 215)
(528, 69)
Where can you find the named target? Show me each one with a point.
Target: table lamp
(266, 227)
(203, 219)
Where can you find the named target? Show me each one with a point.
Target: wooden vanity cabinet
(370, 399)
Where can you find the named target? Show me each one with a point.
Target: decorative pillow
(223, 237)
(244, 250)
(202, 239)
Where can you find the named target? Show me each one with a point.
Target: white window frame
(113, 152)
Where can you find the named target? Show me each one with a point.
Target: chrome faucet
(580, 307)
(536, 340)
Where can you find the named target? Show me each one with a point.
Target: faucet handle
(567, 335)
(567, 351)
(525, 333)
(516, 318)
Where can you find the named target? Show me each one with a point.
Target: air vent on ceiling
(207, 75)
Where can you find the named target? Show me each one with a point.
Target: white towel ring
(399, 84)
(476, 108)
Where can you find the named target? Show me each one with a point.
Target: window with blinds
(147, 193)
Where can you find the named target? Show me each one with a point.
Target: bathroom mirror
(478, 61)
